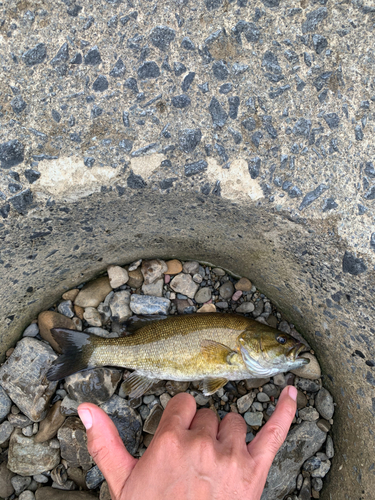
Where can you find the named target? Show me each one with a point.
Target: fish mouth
(295, 351)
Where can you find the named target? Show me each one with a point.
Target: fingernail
(292, 391)
(85, 416)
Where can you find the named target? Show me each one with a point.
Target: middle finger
(205, 422)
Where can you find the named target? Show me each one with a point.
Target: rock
(254, 383)
(92, 316)
(73, 443)
(48, 493)
(50, 319)
(93, 293)
(135, 278)
(71, 294)
(28, 431)
(245, 308)
(301, 400)
(94, 478)
(317, 483)
(77, 475)
(69, 407)
(330, 452)
(153, 270)
(254, 419)
(127, 421)
(27, 457)
(262, 397)
(243, 284)
(31, 331)
(164, 398)
(29, 388)
(309, 414)
(207, 308)
(272, 321)
(218, 271)
(310, 371)
(237, 295)
(134, 265)
(19, 421)
(183, 283)
(279, 379)
(40, 478)
(119, 305)
(307, 385)
(284, 327)
(152, 421)
(244, 403)
(203, 295)
(174, 387)
(322, 470)
(6, 487)
(201, 400)
(324, 404)
(191, 267)
(51, 424)
(183, 306)
(66, 308)
(226, 290)
(173, 267)
(101, 332)
(20, 483)
(305, 493)
(146, 304)
(301, 443)
(5, 404)
(117, 275)
(93, 386)
(104, 492)
(155, 289)
(6, 429)
(323, 425)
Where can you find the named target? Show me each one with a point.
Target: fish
(212, 348)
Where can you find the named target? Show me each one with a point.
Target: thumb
(267, 442)
(106, 447)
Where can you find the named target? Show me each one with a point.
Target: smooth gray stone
(147, 304)
(5, 404)
(324, 404)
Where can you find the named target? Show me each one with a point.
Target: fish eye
(281, 339)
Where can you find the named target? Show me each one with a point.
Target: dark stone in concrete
(11, 153)
(36, 55)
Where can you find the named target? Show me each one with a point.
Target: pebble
(183, 283)
(330, 452)
(73, 443)
(279, 380)
(22, 385)
(101, 332)
(117, 275)
(94, 478)
(68, 407)
(236, 296)
(324, 404)
(317, 483)
(71, 294)
(48, 493)
(119, 305)
(254, 383)
(135, 278)
(310, 371)
(284, 327)
(226, 290)
(6, 429)
(104, 492)
(245, 308)
(203, 295)
(207, 308)
(197, 278)
(93, 293)
(28, 431)
(254, 419)
(153, 419)
(164, 398)
(134, 265)
(201, 400)
(307, 385)
(20, 483)
(155, 289)
(153, 270)
(301, 400)
(245, 402)
(6, 488)
(31, 331)
(145, 304)
(51, 319)
(218, 271)
(5, 404)
(262, 397)
(173, 267)
(309, 414)
(19, 421)
(26, 495)
(59, 475)
(191, 267)
(66, 308)
(127, 421)
(92, 316)
(324, 425)
(27, 458)
(244, 285)
(222, 305)
(174, 387)
(40, 478)
(93, 386)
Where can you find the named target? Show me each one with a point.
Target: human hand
(192, 455)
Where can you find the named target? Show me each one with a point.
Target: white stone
(117, 275)
(119, 305)
(184, 284)
(92, 316)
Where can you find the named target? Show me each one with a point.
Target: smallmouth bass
(211, 347)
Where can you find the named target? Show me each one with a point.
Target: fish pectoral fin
(136, 385)
(211, 385)
(214, 350)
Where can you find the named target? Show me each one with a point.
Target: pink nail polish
(292, 391)
(85, 416)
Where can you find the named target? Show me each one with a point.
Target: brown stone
(147, 440)
(104, 492)
(71, 294)
(301, 400)
(6, 488)
(254, 383)
(174, 387)
(93, 293)
(50, 319)
(243, 284)
(152, 421)
(49, 493)
(207, 308)
(51, 424)
(79, 311)
(174, 267)
(73, 443)
(272, 321)
(153, 270)
(77, 475)
(135, 278)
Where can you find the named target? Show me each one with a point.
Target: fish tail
(76, 349)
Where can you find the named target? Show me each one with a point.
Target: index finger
(179, 413)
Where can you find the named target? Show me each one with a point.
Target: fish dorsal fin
(136, 385)
(216, 351)
(254, 367)
(136, 322)
(211, 385)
